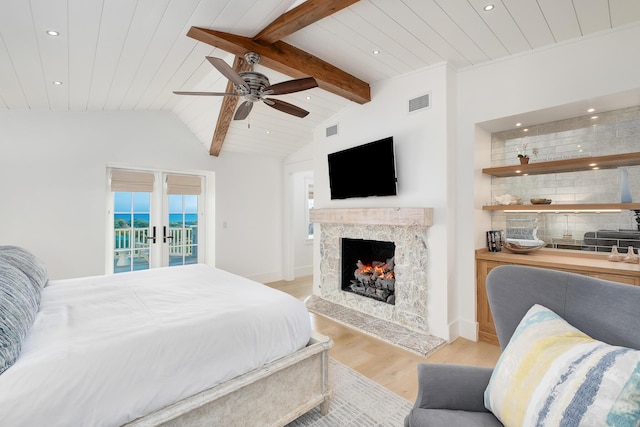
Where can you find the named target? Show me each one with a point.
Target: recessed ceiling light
(376, 52)
(594, 117)
(53, 33)
(268, 131)
(591, 110)
(525, 130)
(518, 124)
(57, 83)
(488, 7)
(308, 98)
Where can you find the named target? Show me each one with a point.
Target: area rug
(419, 343)
(356, 401)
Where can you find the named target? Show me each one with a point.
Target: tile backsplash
(613, 132)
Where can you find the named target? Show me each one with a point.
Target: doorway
(156, 218)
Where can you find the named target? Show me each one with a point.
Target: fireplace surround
(407, 229)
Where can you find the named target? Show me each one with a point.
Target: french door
(156, 219)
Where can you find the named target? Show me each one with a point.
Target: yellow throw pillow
(552, 374)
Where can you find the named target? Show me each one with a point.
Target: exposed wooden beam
(289, 60)
(229, 104)
(299, 17)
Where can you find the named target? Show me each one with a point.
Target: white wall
(303, 246)
(422, 144)
(249, 200)
(53, 187)
(568, 73)
(298, 251)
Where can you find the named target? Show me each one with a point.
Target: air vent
(420, 103)
(331, 130)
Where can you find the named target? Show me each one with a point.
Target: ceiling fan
(254, 86)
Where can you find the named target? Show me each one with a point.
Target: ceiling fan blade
(227, 71)
(243, 110)
(291, 86)
(177, 92)
(286, 107)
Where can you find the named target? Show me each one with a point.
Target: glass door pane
(131, 225)
(182, 234)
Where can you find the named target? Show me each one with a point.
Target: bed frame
(273, 395)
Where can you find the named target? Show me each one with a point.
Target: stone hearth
(407, 228)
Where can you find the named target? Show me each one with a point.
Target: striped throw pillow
(552, 374)
(18, 309)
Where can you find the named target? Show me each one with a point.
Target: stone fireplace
(403, 234)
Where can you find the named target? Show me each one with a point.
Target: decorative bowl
(540, 201)
(524, 249)
(508, 199)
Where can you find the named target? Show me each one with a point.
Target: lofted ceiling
(124, 55)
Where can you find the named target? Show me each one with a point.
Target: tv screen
(363, 171)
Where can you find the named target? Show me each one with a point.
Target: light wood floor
(388, 365)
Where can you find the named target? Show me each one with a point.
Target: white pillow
(552, 374)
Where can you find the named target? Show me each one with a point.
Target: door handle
(152, 238)
(164, 234)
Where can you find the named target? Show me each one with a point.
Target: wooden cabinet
(588, 264)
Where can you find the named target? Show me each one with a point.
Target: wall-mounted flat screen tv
(363, 171)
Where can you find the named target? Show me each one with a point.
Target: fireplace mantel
(374, 216)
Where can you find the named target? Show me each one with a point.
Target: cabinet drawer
(628, 280)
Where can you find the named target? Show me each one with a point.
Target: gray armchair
(453, 395)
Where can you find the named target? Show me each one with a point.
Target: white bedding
(106, 350)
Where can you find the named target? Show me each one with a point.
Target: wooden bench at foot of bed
(273, 395)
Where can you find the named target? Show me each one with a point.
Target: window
(309, 205)
(131, 229)
(153, 224)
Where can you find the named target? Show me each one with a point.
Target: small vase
(625, 192)
(524, 160)
(614, 256)
(631, 256)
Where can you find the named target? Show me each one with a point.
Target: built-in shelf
(566, 165)
(573, 207)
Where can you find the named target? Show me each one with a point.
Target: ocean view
(142, 220)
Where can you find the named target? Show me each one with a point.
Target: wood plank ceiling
(129, 55)
(282, 57)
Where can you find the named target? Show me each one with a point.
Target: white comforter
(106, 350)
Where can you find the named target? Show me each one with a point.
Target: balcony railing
(179, 244)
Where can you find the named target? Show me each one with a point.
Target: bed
(189, 345)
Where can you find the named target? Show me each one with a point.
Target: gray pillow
(18, 308)
(28, 263)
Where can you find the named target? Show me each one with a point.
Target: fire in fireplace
(368, 268)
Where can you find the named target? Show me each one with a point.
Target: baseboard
(467, 330)
(266, 277)
(303, 271)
